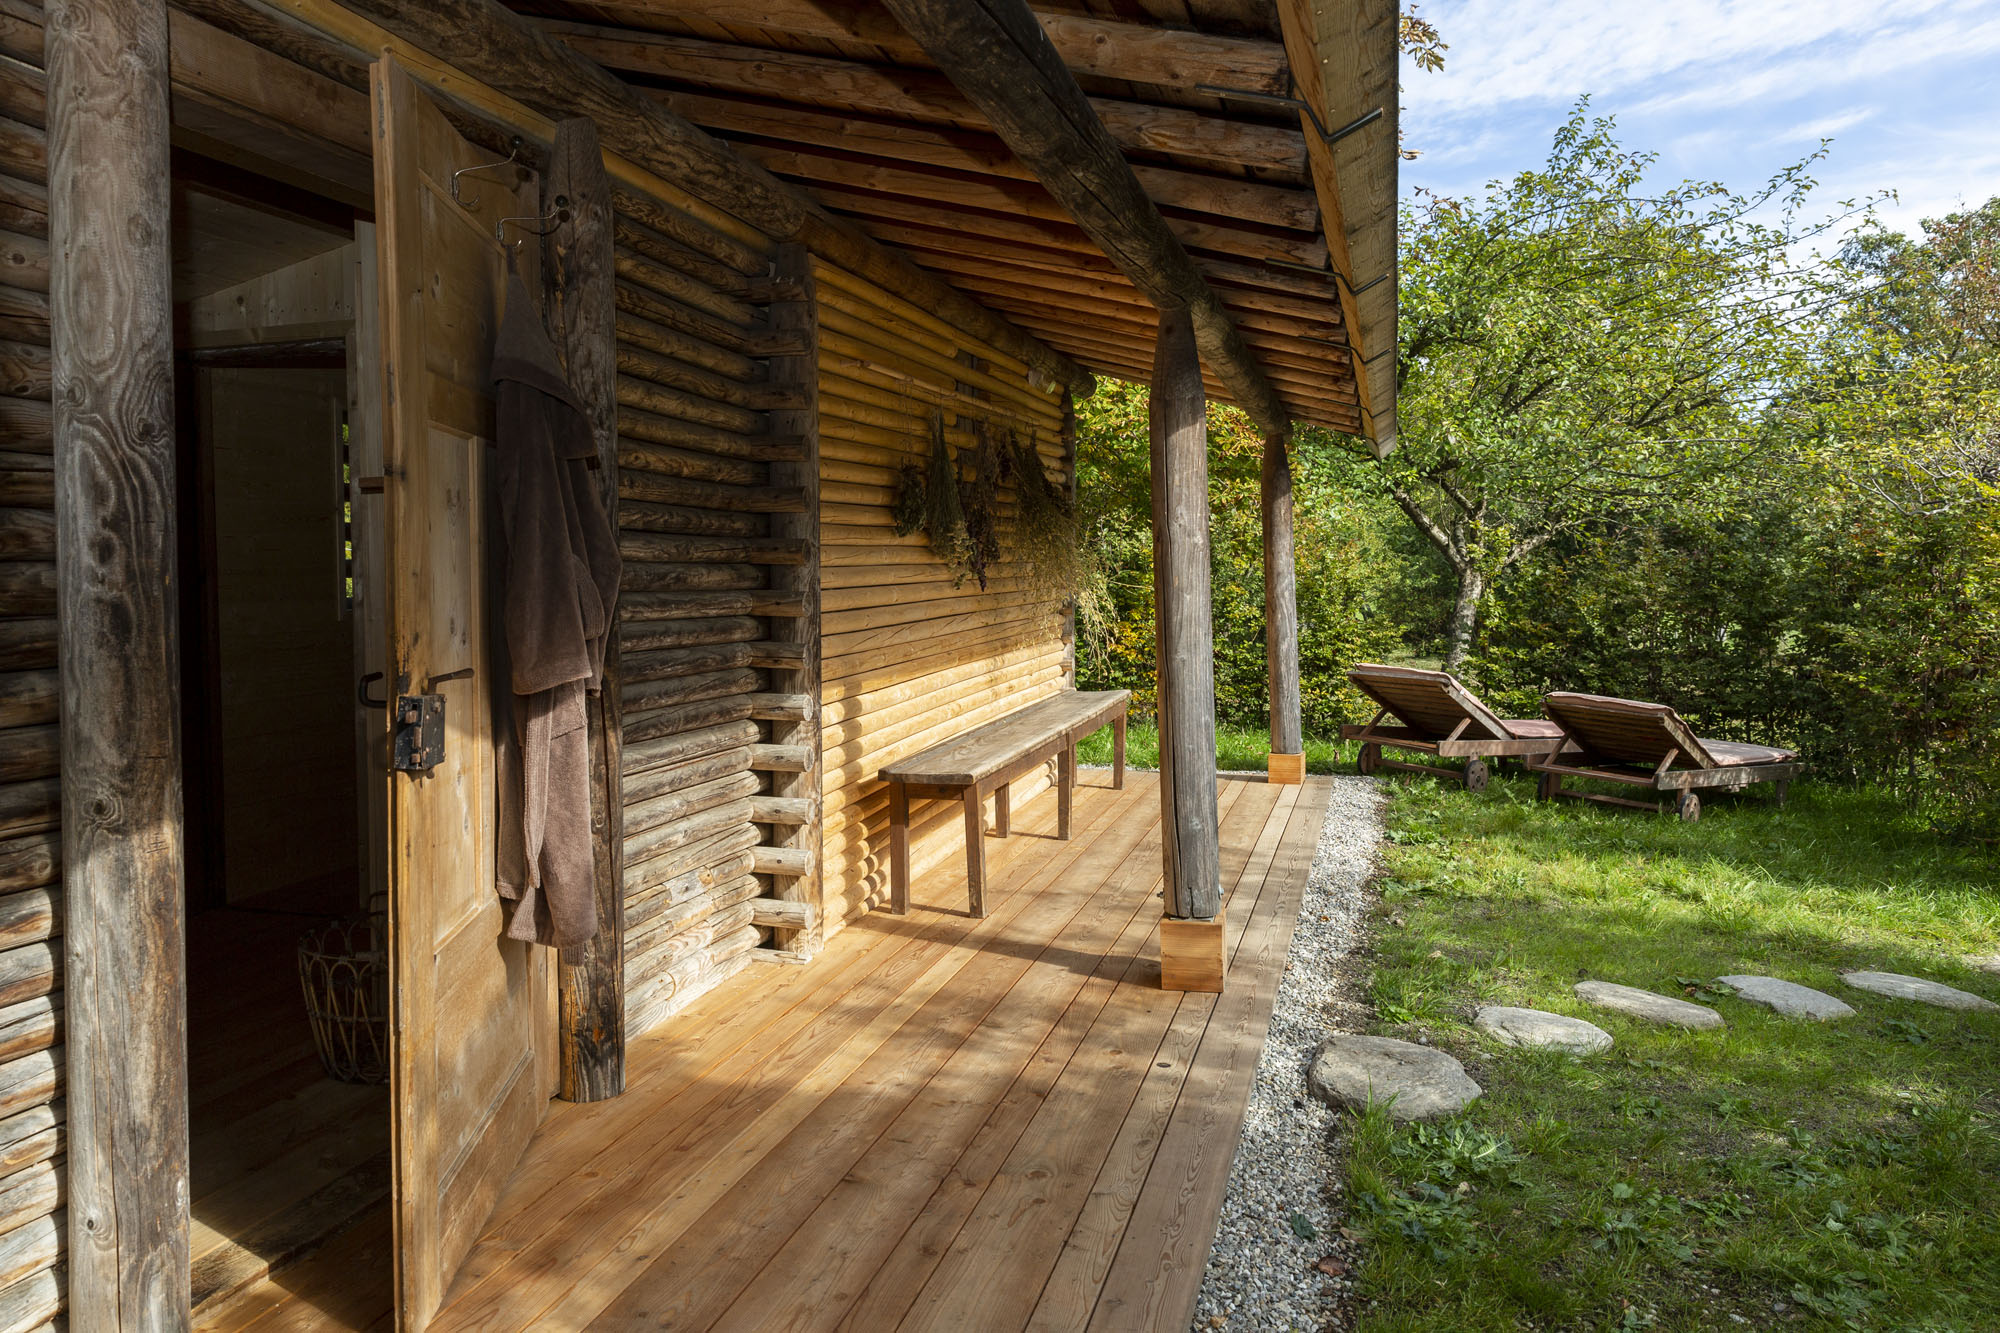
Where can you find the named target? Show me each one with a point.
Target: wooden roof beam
(512, 56)
(998, 55)
(918, 95)
(1105, 48)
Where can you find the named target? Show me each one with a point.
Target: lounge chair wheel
(1688, 807)
(1370, 756)
(1782, 788)
(1476, 775)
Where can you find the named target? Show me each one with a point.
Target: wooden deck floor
(942, 1124)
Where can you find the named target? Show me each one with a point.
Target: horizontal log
(728, 877)
(32, 1080)
(25, 370)
(642, 757)
(787, 862)
(669, 402)
(644, 844)
(658, 723)
(691, 689)
(27, 698)
(29, 970)
(632, 234)
(657, 869)
(33, 1191)
(32, 862)
(28, 534)
(646, 516)
(661, 280)
(790, 811)
(783, 913)
(34, 915)
(27, 753)
(665, 779)
(663, 312)
(676, 223)
(778, 656)
(24, 147)
(24, 206)
(680, 807)
(694, 464)
(686, 347)
(32, 1247)
(654, 368)
(644, 546)
(656, 635)
(26, 426)
(649, 606)
(781, 707)
(29, 807)
(31, 1025)
(27, 488)
(24, 264)
(781, 758)
(659, 489)
(668, 663)
(645, 576)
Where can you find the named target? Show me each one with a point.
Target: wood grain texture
(1281, 603)
(1178, 421)
(579, 302)
(111, 313)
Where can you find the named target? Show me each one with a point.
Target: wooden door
(473, 1012)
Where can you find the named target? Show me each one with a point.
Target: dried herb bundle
(946, 520)
(912, 501)
(981, 503)
(1045, 539)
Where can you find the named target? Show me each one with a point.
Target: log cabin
(251, 265)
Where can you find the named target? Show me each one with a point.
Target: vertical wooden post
(111, 304)
(1287, 760)
(580, 303)
(796, 313)
(1191, 938)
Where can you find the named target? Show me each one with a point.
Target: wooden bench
(985, 762)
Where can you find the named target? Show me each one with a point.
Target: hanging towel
(559, 586)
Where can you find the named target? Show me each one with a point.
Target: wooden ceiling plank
(920, 95)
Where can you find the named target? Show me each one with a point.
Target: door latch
(419, 746)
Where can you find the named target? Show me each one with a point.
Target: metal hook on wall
(555, 218)
(514, 146)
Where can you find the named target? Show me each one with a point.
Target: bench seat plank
(986, 751)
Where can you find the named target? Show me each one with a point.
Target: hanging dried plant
(981, 503)
(1045, 541)
(912, 502)
(945, 521)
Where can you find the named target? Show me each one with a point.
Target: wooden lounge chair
(1648, 745)
(1439, 716)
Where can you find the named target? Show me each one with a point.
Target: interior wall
(284, 630)
(908, 659)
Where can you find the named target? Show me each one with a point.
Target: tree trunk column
(1191, 936)
(111, 302)
(1287, 760)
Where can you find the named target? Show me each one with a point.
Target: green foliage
(1808, 1175)
(1342, 536)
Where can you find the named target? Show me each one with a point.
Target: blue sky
(1908, 90)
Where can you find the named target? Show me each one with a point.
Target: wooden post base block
(1191, 954)
(1286, 769)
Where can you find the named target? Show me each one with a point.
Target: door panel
(473, 1010)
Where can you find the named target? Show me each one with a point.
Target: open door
(473, 1012)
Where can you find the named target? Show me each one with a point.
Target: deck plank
(942, 1123)
(1153, 1282)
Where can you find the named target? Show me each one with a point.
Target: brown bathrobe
(559, 588)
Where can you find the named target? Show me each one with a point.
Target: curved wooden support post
(1281, 616)
(580, 304)
(1190, 954)
(111, 316)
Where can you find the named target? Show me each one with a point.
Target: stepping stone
(1424, 1082)
(1788, 998)
(1542, 1031)
(1897, 986)
(1636, 1003)
(1985, 962)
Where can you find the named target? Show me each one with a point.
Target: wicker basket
(344, 971)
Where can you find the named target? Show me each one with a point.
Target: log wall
(708, 423)
(32, 1123)
(908, 659)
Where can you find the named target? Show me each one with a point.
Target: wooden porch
(943, 1123)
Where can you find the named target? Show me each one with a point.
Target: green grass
(1236, 748)
(1847, 1172)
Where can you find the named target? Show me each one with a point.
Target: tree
(1576, 352)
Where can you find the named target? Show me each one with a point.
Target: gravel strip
(1261, 1273)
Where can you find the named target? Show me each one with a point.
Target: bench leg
(899, 849)
(975, 853)
(1065, 790)
(1003, 809)
(1118, 752)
